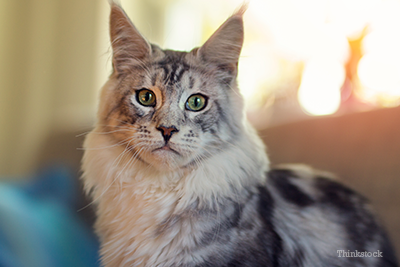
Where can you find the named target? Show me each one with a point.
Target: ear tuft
(224, 46)
(241, 10)
(129, 46)
(114, 2)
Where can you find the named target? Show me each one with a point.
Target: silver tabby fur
(205, 196)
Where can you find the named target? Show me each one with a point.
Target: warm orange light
(379, 68)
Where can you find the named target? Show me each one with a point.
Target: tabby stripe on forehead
(175, 73)
(154, 79)
(191, 82)
(180, 74)
(172, 77)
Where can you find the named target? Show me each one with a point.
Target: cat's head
(172, 109)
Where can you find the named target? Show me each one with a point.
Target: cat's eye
(196, 102)
(146, 97)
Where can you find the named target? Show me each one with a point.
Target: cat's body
(181, 179)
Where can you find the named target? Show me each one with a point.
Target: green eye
(146, 97)
(196, 103)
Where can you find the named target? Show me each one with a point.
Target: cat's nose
(167, 131)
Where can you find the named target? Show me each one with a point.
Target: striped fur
(205, 196)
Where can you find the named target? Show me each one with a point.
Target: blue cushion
(39, 225)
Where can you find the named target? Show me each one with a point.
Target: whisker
(110, 146)
(108, 174)
(84, 133)
(105, 125)
(114, 131)
(119, 158)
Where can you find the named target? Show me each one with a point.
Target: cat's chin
(164, 159)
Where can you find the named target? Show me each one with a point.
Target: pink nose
(167, 132)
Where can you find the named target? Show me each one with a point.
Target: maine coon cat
(180, 178)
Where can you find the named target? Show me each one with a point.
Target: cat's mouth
(166, 147)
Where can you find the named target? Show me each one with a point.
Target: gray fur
(202, 194)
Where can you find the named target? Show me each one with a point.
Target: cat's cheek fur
(140, 109)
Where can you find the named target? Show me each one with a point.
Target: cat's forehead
(167, 56)
(175, 71)
(172, 67)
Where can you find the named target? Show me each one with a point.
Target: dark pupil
(147, 97)
(197, 102)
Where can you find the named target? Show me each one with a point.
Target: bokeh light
(316, 34)
(319, 92)
(379, 69)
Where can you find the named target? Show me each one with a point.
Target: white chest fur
(132, 227)
(142, 217)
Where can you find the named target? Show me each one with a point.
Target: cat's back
(319, 221)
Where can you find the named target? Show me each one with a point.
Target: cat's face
(172, 109)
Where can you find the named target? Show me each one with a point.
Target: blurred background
(321, 80)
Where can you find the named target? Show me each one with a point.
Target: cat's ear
(224, 46)
(129, 46)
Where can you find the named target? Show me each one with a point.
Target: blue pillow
(40, 226)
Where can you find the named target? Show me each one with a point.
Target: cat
(180, 178)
